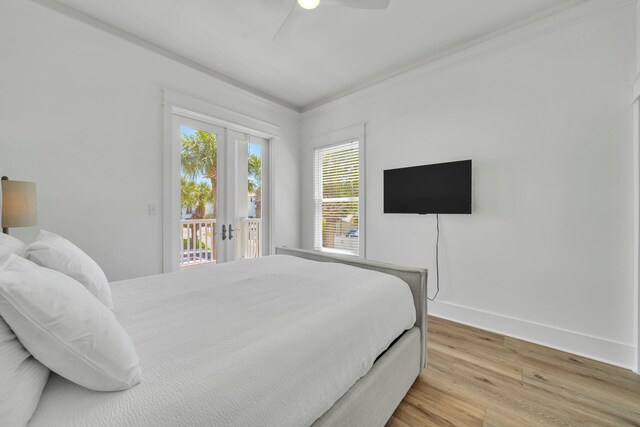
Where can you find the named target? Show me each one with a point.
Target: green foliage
(255, 181)
(255, 173)
(199, 243)
(195, 196)
(199, 157)
(187, 188)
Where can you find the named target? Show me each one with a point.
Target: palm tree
(255, 181)
(199, 157)
(195, 196)
(187, 191)
(202, 196)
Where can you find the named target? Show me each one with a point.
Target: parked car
(352, 233)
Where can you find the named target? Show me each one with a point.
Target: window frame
(328, 141)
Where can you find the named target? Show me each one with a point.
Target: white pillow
(11, 245)
(68, 330)
(57, 253)
(22, 379)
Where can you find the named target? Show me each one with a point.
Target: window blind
(337, 198)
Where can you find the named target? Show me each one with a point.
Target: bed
(286, 340)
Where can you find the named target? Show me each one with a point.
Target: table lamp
(18, 204)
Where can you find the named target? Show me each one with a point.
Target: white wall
(81, 115)
(547, 254)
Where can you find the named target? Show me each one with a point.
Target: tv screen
(443, 188)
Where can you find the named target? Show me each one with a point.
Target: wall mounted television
(442, 188)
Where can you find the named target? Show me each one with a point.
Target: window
(337, 197)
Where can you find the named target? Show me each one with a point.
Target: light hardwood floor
(479, 378)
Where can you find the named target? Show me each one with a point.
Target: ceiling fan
(286, 26)
(357, 4)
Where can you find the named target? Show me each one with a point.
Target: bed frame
(373, 398)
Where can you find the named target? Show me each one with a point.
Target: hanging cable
(437, 259)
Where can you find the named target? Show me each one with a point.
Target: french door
(220, 214)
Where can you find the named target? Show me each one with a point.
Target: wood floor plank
(395, 422)
(474, 377)
(485, 342)
(616, 406)
(552, 404)
(464, 335)
(436, 324)
(496, 391)
(414, 416)
(438, 359)
(482, 357)
(497, 418)
(429, 416)
(537, 355)
(448, 407)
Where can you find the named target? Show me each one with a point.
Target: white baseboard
(611, 352)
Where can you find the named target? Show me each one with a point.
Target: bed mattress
(274, 341)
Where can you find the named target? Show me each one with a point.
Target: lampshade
(18, 203)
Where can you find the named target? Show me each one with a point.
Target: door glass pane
(252, 224)
(198, 196)
(254, 180)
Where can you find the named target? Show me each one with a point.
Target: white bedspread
(274, 341)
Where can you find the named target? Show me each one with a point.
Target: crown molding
(199, 109)
(169, 54)
(495, 40)
(469, 50)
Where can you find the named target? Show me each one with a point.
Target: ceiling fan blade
(284, 34)
(362, 4)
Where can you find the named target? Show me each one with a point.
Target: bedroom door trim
(176, 104)
(635, 105)
(636, 219)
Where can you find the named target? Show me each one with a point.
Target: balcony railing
(251, 237)
(199, 240)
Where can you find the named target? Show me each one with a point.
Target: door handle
(230, 232)
(224, 232)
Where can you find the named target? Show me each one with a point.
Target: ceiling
(323, 53)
